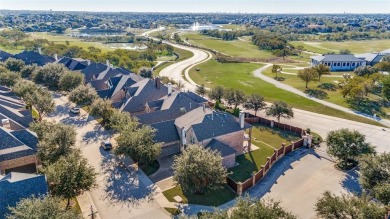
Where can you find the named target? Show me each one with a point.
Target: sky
(231, 6)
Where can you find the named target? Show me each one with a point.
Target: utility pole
(92, 213)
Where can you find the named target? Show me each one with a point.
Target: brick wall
(9, 164)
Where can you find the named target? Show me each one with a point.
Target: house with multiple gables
(16, 186)
(182, 118)
(18, 145)
(348, 62)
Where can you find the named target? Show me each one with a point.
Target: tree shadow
(97, 134)
(61, 110)
(123, 185)
(351, 182)
(279, 78)
(319, 94)
(327, 86)
(366, 106)
(74, 120)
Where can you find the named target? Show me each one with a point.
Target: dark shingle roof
(16, 186)
(93, 69)
(166, 132)
(222, 148)
(208, 124)
(159, 116)
(31, 57)
(27, 137)
(337, 58)
(178, 100)
(4, 56)
(16, 144)
(143, 92)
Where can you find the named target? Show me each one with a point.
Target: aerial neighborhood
(194, 115)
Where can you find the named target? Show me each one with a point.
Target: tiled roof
(222, 148)
(166, 132)
(16, 186)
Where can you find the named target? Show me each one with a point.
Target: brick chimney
(158, 83)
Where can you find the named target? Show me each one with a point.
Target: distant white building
(338, 62)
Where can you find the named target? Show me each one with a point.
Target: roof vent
(6, 123)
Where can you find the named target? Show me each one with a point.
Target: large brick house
(18, 145)
(182, 118)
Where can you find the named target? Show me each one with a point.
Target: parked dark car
(106, 145)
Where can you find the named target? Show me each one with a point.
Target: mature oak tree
(321, 69)
(280, 109)
(41, 208)
(138, 143)
(330, 206)
(70, 176)
(347, 146)
(307, 75)
(217, 93)
(255, 102)
(42, 101)
(56, 140)
(102, 108)
(246, 208)
(70, 80)
(198, 169)
(234, 97)
(375, 176)
(83, 95)
(13, 64)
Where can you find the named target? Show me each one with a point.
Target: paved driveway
(121, 191)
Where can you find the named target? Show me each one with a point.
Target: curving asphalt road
(175, 71)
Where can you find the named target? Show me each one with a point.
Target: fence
(241, 187)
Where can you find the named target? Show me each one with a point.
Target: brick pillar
(293, 146)
(250, 139)
(239, 188)
(253, 179)
(284, 148)
(262, 167)
(269, 161)
(276, 153)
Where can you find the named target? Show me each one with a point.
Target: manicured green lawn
(272, 136)
(173, 211)
(355, 46)
(239, 75)
(250, 162)
(210, 198)
(61, 39)
(235, 48)
(333, 96)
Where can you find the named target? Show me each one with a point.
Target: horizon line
(194, 12)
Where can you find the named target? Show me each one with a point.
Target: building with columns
(338, 62)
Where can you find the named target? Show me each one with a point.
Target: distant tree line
(228, 35)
